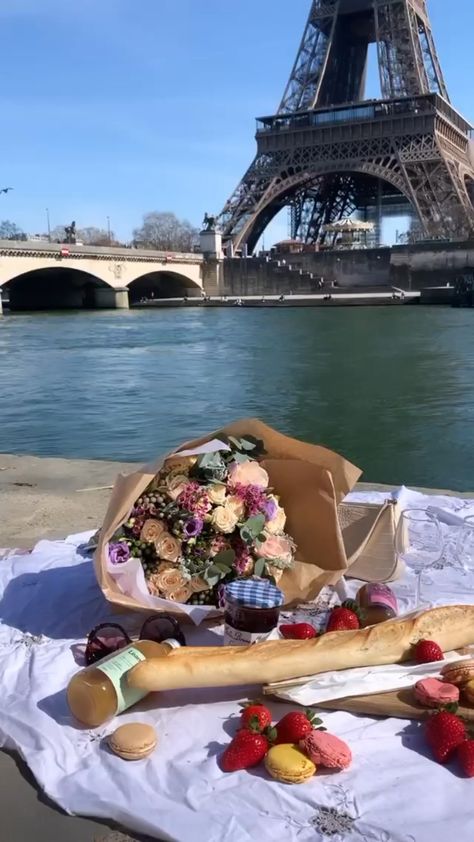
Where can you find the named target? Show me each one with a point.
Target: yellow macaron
(288, 764)
(133, 741)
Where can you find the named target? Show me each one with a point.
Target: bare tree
(58, 234)
(165, 232)
(95, 236)
(11, 231)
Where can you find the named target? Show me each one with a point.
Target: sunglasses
(107, 638)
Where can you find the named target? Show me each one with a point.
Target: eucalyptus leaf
(240, 457)
(246, 536)
(253, 526)
(259, 568)
(225, 557)
(246, 444)
(234, 441)
(223, 568)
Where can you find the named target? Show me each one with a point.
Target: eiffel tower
(329, 153)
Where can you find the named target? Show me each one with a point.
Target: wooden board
(398, 703)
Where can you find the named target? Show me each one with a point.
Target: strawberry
(298, 631)
(344, 617)
(465, 755)
(247, 749)
(444, 732)
(295, 726)
(427, 651)
(255, 717)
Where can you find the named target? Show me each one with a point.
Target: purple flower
(193, 527)
(119, 553)
(271, 509)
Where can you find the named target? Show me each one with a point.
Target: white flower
(236, 506)
(216, 493)
(277, 524)
(224, 519)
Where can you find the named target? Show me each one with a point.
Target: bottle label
(381, 595)
(235, 637)
(116, 668)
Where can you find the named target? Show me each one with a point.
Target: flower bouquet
(203, 521)
(242, 501)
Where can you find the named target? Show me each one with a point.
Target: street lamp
(108, 230)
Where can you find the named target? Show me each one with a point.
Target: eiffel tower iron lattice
(328, 152)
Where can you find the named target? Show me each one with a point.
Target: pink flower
(276, 547)
(255, 500)
(194, 499)
(249, 473)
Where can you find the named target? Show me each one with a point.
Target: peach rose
(198, 585)
(224, 520)
(168, 580)
(276, 547)
(175, 484)
(151, 530)
(249, 473)
(180, 594)
(236, 506)
(277, 523)
(216, 493)
(168, 548)
(165, 565)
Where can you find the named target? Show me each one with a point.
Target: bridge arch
(287, 184)
(60, 287)
(162, 283)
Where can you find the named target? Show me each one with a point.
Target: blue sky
(117, 107)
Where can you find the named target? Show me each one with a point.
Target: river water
(391, 388)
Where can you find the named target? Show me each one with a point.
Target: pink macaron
(326, 750)
(432, 693)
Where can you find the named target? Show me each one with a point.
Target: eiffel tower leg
(440, 197)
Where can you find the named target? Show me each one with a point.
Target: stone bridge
(40, 276)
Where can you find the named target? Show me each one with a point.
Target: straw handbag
(368, 531)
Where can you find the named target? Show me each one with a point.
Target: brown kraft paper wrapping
(310, 480)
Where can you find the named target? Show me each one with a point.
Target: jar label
(235, 637)
(382, 595)
(116, 668)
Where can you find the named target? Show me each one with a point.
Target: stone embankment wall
(407, 267)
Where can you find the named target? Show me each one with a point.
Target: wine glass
(418, 542)
(465, 544)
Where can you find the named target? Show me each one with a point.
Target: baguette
(452, 627)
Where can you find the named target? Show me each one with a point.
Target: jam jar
(252, 609)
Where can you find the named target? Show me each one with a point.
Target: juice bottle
(378, 603)
(100, 692)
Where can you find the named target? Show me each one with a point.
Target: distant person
(282, 298)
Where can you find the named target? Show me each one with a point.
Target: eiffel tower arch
(328, 152)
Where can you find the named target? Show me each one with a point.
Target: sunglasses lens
(103, 641)
(162, 628)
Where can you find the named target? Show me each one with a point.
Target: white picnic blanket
(393, 792)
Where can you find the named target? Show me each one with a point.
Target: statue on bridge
(70, 233)
(209, 223)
